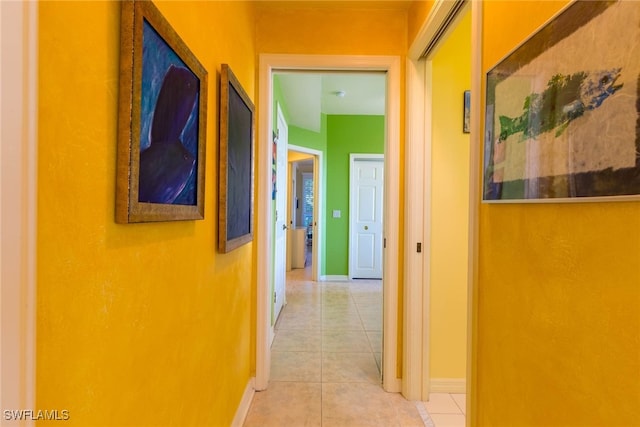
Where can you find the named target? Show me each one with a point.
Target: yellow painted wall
(451, 66)
(141, 324)
(332, 28)
(295, 156)
(558, 292)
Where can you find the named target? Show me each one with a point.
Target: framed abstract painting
(161, 123)
(563, 110)
(237, 133)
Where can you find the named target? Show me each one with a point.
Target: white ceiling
(307, 95)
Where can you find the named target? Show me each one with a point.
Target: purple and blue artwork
(168, 125)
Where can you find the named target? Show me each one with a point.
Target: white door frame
(292, 184)
(318, 198)
(418, 202)
(18, 205)
(417, 229)
(474, 206)
(268, 63)
(353, 157)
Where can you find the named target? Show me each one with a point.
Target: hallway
(325, 366)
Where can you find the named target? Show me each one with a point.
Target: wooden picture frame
(562, 110)
(161, 121)
(236, 175)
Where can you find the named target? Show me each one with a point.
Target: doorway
(302, 214)
(391, 66)
(437, 202)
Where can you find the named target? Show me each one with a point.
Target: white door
(366, 188)
(280, 255)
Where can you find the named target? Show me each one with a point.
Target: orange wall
(141, 324)
(331, 28)
(418, 13)
(558, 292)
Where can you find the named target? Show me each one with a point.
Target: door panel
(280, 218)
(366, 218)
(367, 253)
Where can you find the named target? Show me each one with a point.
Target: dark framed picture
(466, 112)
(161, 123)
(562, 110)
(237, 129)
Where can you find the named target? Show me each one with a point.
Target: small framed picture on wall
(466, 112)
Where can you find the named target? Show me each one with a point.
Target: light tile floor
(325, 364)
(446, 410)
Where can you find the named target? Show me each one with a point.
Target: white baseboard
(245, 404)
(448, 385)
(334, 278)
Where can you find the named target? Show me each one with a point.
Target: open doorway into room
(439, 184)
(301, 208)
(338, 114)
(330, 223)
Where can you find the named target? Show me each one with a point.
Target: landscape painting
(562, 110)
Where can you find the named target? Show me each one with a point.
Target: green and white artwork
(562, 116)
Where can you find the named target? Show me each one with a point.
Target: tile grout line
(456, 402)
(364, 329)
(424, 414)
(366, 336)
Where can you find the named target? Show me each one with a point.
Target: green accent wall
(308, 138)
(278, 99)
(339, 136)
(345, 135)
